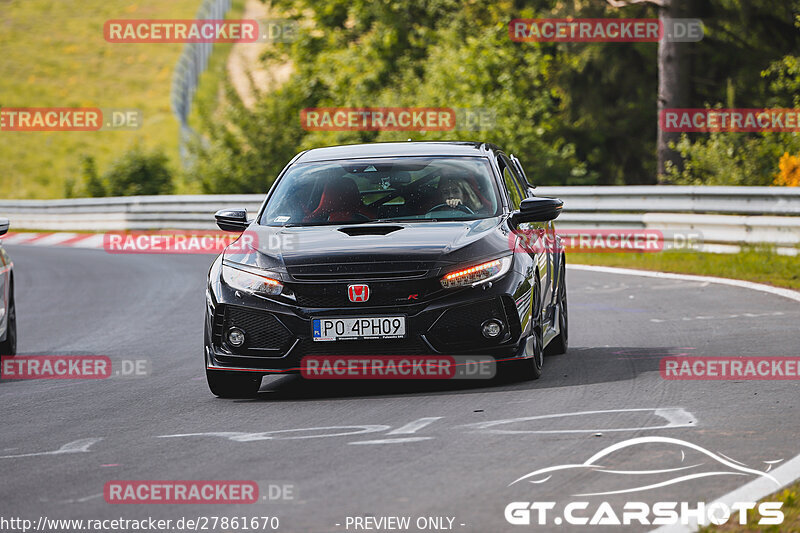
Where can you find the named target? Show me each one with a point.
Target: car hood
(376, 247)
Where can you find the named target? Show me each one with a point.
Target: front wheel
(231, 384)
(530, 368)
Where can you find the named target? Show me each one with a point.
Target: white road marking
(723, 317)
(18, 238)
(391, 441)
(749, 492)
(55, 239)
(416, 425)
(79, 500)
(76, 446)
(269, 435)
(676, 417)
(408, 429)
(786, 293)
(91, 241)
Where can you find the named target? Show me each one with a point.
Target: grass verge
(761, 266)
(54, 54)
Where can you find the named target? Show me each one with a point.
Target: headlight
(478, 273)
(250, 282)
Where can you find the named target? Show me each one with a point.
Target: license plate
(361, 328)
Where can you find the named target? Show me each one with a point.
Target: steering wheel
(459, 207)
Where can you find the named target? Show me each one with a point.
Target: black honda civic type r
(388, 249)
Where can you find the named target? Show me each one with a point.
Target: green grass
(54, 54)
(790, 510)
(762, 266)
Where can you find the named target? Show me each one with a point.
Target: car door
(535, 235)
(553, 242)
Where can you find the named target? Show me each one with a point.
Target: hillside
(54, 54)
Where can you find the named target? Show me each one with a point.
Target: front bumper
(279, 335)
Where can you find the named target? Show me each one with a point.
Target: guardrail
(191, 64)
(727, 217)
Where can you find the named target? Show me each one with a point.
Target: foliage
(748, 159)
(732, 158)
(94, 186)
(139, 172)
(789, 174)
(575, 113)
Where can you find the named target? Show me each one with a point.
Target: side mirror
(4, 223)
(537, 209)
(232, 219)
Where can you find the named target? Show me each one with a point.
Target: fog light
(235, 337)
(491, 328)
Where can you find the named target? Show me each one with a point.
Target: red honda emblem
(358, 293)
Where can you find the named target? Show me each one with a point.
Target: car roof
(398, 149)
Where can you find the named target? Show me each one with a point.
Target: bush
(138, 172)
(789, 175)
(732, 158)
(742, 158)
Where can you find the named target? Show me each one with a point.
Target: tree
(673, 79)
(94, 185)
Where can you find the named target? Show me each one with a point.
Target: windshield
(385, 189)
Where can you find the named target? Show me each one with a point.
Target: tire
(560, 343)
(9, 345)
(230, 384)
(531, 368)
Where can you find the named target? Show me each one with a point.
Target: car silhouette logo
(719, 465)
(358, 293)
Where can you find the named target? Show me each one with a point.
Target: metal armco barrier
(725, 216)
(191, 64)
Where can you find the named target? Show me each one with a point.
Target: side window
(514, 193)
(519, 172)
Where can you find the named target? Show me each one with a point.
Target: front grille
(460, 327)
(262, 331)
(372, 269)
(384, 293)
(333, 276)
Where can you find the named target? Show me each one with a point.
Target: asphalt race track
(357, 449)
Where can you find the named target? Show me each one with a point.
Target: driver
(454, 191)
